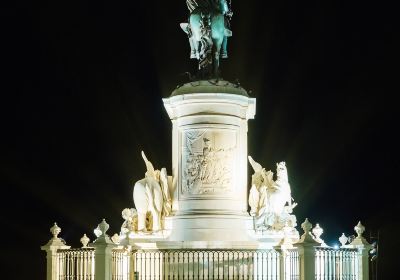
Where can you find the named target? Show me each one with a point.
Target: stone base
(270, 239)
(209, 231)
(175, 245)
(204, 260)
(210, 227)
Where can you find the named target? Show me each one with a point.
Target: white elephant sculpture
(151, 194)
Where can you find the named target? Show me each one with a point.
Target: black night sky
(84, 82)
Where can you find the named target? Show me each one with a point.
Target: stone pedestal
(103, 253)
(51, 248)
(209, 160)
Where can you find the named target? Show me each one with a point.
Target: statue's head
(269, 177)
(281, 168)
(257, 179)
(128, 213)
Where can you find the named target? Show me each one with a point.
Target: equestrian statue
(208, 31)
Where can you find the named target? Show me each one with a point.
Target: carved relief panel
(208, 161)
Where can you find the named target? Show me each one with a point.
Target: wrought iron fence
(291, 268)
(120, 264)
(75, 264)
(336, 264)
(199, 264)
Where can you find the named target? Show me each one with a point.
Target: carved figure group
(270, 201)
(208, 32)
(208, 168)
(130, 220)
(152, 198)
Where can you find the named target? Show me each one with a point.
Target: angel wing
(256, 166)
(254, 198)
(150, 168)
(164, 182)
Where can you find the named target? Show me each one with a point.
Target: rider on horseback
(208, 29)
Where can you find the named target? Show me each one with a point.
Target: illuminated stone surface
(209, 157)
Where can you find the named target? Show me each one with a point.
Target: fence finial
(360, 240)
(359, 229)
(84, 240)
(343, 239)
(101, 233)
(307, 237)
(55, 231)
(306, 225)
(103, 227)
(318, 231)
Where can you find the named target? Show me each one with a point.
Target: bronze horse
(208, 32)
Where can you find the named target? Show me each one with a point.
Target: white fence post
(282, 266)
(363, 252)
(285, 268)
(51, 248)
(306, 247)
(103, 253)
